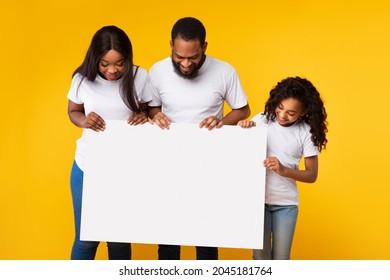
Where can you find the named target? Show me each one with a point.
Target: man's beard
(194, 72)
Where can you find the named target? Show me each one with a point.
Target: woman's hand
(136, 119)
(94, 121)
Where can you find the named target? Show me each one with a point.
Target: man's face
(187, 57)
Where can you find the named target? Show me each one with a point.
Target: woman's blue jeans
(279, 227)
(86, 250)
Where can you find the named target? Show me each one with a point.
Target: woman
(105, 86)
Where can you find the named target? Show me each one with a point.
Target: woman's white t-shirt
(103, 97)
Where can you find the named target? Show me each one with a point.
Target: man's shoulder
(161, 64)
(216, 63)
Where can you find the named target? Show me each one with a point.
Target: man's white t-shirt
(192, 100)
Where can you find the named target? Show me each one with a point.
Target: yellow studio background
(343, 47)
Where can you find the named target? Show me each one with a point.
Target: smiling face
(288, 111)
(111, 65)
(187, 56)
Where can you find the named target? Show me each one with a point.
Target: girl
(105, 86)
(296, 123)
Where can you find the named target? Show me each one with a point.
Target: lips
(111, 76)
(282, 121)
(186, 70)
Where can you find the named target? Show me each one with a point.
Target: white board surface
(183, 186)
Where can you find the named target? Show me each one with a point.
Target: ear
(204, 48)
(171, 44)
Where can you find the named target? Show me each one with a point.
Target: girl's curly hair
(313, 106)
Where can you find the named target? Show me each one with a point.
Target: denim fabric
(279, 227)
(86, 250)
(172, 252)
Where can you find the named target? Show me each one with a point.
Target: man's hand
(211, 122)
(161, 120)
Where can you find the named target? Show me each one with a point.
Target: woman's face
(111, 65)
(288, 111)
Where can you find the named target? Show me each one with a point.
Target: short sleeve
(156, 99)
(142, 85)
(72, 93)
(235, 95)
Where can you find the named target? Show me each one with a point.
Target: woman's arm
(77, 116)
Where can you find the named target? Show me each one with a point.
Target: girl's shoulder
(260, 119)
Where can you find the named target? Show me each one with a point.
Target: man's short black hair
(188, 29)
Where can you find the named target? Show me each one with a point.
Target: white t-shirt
(193, 100)
(103, 97)
(288, 144)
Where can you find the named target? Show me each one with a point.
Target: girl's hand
(246, 123)
(94, 121)
(273, 163)
(136, 119)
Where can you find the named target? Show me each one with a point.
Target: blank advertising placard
(183, 186)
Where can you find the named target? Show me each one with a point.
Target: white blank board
(183, 186)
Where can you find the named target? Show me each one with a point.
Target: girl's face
(288, 111)
(111, 65)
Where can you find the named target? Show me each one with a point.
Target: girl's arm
(309, 175)
(78, 118)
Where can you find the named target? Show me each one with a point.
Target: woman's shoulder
(77, 77)
(140, 72)
(139, 69)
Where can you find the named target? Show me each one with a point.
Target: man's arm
(152, 111)
(158, 117)
(233, 117)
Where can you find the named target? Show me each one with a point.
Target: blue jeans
(172, 252)
(86, 250)
(279, 227)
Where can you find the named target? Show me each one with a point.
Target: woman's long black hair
(105, 39)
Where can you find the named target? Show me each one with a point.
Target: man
(190, 87)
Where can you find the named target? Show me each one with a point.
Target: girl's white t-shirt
(289, 145)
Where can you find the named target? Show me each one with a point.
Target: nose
(186, 63)
(112, 69)
(282, 115)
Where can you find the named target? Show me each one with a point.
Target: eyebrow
(120, 60)
(194, 56)
(292, 111)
